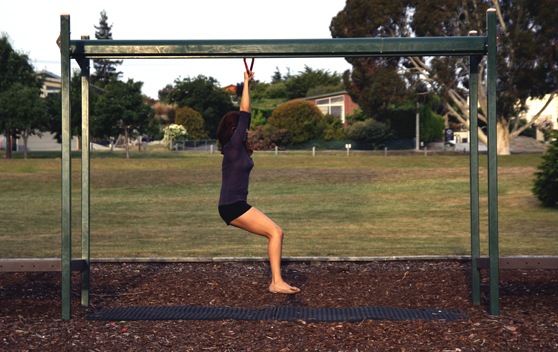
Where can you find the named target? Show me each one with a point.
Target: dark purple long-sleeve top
(237, 165)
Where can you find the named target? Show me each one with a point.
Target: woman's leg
(256, 222)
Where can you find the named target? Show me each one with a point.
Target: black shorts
(229, 212)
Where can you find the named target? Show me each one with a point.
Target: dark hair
(226, 129)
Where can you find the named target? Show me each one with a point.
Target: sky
(33, 27)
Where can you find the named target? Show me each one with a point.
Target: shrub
(329, 128)
(372, 132)
(192, 121)
(403, 121)
(357, 115)
(276, 91)
(177, 133)
(258, 119)
(546, 179)
(267, 137)
(299, 117)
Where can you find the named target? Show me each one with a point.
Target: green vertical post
(474, 172)
(66, 167)
(492, 166)
(85, 179)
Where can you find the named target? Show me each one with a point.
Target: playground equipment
(473, 46)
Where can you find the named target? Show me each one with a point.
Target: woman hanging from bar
(237, 164)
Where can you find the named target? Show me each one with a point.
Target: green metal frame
(473, 46)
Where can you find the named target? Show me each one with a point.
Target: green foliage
(258, 90)
(276, 91)
(330, 128)
(530, 132)
(526, 65)
(357, 115)
(298, 85)
(267, 137)
(258, 119)
(162, 94)
(15, 67)
(545, 185)
(375, 92)
(403, 121)
(277, 77)
(20, 107)
(372, 132)
(105, 69)
(26, 108)
(54, 110)
(299, 117)
(202, 94)
(120, 107)
(319, 90)
(192, 121)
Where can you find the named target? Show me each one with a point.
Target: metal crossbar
(345, 47)
(473, 46)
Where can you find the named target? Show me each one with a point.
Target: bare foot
(283, 288)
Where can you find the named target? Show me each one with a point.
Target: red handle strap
(251, 66)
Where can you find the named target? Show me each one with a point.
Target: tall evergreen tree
(105, 69)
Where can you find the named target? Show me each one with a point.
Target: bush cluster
(192, 122)
(299, 117)
(267, 137)
(177, 133)
(545, 185)
(371, 132)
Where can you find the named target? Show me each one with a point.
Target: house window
(333, 106)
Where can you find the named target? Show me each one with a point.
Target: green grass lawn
(164, 204)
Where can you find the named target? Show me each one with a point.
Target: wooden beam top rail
(291, 48)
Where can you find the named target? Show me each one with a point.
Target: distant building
(51, 85)
(549, 116)
(231, 89)
(337, 104)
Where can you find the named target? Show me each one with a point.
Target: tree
(298, 85)
(277, 77)
(527, 63)
(319, 90)
(15, 69)
(276, 91)
(27, 110)
(163, 93)
(402, 119)
(105, 69)
(545, 185)
(122, 107)
(371, 132)
(203, 95)
(54, 110)
(192, 121)
(300, 118)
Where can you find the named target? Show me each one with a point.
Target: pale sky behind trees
(33, 27)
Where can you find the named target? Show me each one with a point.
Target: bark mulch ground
(30, 308)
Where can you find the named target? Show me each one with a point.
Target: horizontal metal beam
(520, 263)
(340, 47)
(25, 265)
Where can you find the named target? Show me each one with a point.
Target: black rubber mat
(182, 313)
(276, 313)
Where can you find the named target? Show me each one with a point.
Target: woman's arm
(245, 102)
